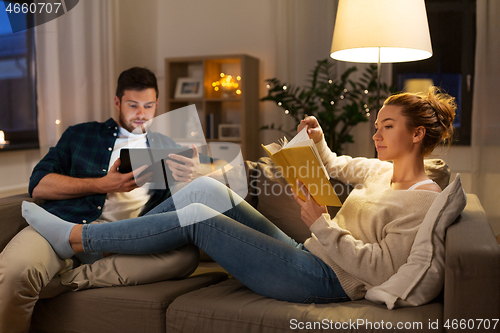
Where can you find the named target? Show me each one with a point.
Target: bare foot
(75, 238)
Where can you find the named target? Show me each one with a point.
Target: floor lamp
(381, 31)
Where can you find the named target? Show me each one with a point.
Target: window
(452, 25)
(18, 114)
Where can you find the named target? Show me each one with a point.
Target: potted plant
(339, 104)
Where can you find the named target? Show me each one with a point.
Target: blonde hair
(434, 111)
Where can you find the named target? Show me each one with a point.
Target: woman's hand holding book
(314, 130)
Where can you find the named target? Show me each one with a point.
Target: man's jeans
(240, 239)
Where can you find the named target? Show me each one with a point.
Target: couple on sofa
(365, 244)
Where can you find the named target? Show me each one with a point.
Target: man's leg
(129, 270)
(27, 264)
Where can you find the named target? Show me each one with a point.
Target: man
(78, 180)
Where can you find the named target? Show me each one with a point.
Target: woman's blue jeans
(240, 239)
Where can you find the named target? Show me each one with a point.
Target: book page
(301, 136)
(316, 154)
(273, 148)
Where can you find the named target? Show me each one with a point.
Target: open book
(299, 159)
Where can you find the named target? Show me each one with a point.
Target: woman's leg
(217, 196)
(204, 190)
(259, 254)
(266, 265)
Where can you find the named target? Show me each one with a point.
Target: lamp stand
(378, 83)
(378, 90)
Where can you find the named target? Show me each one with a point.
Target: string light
(228, 84)
(280, 104)
(366, 92)
(285, 87)
(332, 102)
(287, 112)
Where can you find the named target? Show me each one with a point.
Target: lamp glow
(2, 138)
(387, 30)
(381, 31)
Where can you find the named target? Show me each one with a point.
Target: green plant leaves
(339, 104)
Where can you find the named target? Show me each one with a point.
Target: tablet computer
(154, 158)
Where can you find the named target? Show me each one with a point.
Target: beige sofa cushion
(230, 307)
(12, 221)
(131, 309)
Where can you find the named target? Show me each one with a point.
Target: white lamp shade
(398, 28)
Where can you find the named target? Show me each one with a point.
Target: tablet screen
(134, 158)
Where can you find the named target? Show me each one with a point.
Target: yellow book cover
(299, 159)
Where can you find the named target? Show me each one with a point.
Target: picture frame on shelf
(229, 132)
(189, 87)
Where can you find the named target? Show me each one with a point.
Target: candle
(58, 129)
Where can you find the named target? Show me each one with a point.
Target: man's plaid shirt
(84, 151)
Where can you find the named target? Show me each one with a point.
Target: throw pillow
(437, 170)
(421, 279)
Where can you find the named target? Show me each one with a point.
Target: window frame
(26, 139)
(467, 8)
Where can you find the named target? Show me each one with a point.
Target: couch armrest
(472, 267)
(11, 219)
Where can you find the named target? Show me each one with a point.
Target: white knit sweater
(372, 234)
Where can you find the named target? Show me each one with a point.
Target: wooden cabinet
(236, 114)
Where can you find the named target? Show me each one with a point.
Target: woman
(361, 247)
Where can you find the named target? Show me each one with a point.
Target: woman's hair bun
(434, 110)
(445, 107)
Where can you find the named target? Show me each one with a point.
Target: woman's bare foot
(75, 238)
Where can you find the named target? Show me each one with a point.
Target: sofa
(210, 300)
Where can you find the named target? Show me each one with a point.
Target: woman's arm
(371, 263)
(344, 168)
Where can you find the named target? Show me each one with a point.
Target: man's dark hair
(136, 78)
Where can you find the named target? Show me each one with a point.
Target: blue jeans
(240, 239)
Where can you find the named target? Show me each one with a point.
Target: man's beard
(129, 125)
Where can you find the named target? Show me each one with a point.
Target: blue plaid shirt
(84, 151)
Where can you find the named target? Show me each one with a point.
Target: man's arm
(54, 186)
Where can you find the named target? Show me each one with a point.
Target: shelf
(224, 99)
(224, 140)
(214, 109)
(200, 100)
(18, 146)
(186, 100)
